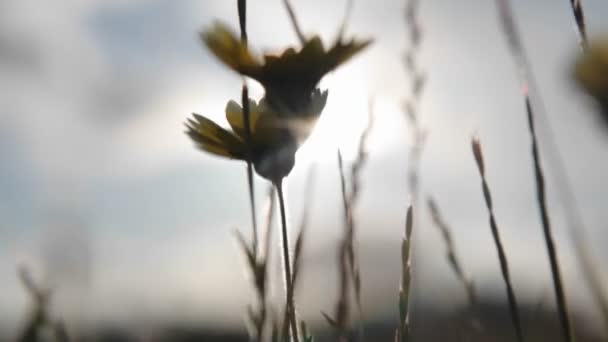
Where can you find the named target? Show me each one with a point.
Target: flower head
(591, 72)
(289, 78)
(274, 139)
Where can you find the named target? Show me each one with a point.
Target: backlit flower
(289, 78)
(274, 138)
(591, 71)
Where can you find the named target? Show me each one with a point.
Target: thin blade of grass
(576, 225)
(294, 21)
(502, 257)
(560, 295)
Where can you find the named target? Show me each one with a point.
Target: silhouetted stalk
(450, 249)
(416, 78)
(289, 300)
(294, 22)
(242, 9)
(576, 225)
(345, 258)
(502, 257)
(560, 296)
(351, 201)
(579, 18)
(345, 19)
(40, 317)
(402, 334)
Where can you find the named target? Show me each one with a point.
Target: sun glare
(343, 120)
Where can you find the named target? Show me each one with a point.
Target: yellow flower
(591, 71)
(289, 78)
(274, 139)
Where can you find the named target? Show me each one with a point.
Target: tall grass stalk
(345, 260)
(417, 81)
(560, 296)
(351, 201)
(579, 18)
(294, 22)
(39, 318)
(402, 334)
(411, 104)
(242, 10)
(258, 265)
(450, 250)
(289, 300)
(575, 222)
(502, 257)
(348, 265)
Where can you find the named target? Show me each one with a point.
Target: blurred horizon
(108, 202)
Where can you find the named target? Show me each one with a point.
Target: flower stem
(246, 121)
(290, 304)
(242, 9)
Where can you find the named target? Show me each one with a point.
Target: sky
(106, 200)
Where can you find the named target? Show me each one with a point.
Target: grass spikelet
(560, 296)
(450, 250)
(576, 225)
(502, 257)
(294, 21)
(579, 18)
(402, 334)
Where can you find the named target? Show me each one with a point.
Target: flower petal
(212, 138)
(266, 128)
(234, 115)
(230, 50)
(342, 52)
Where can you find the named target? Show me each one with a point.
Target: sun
(344, 119)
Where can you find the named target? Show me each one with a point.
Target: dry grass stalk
(575, 222)
(402, 334)
(290, 311)
(579, 18)
(352, 199)
(417, 80)
(258, 265)
(416, 77)
(502, 257)
(294, 21)
(345, 19)
(349, 271)
(560, 296)
(242, 10)
(451, 255)
(39, 317)
(298, 251)
(345, 254)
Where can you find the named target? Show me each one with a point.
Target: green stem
(290, 303)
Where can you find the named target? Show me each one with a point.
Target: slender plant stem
(294, 22)
(502, 257)
(579, 18)
(572, 212)
(345, 259)
(560, 296)
(242, 9)
(450, 250)
(250, 183)
(290, 303)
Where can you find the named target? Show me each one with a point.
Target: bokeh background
(105, 199)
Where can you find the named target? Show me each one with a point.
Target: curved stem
(290, 303)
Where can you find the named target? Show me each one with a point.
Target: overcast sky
(101, 190)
